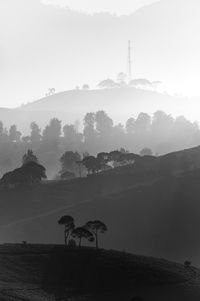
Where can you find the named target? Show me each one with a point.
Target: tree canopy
(96, 227)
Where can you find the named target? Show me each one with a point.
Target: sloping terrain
(49, 272)
(70, 106)
(146, 212)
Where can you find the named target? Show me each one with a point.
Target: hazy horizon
(46, 46)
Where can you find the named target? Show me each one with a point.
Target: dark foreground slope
(39, 272)
(146, 212)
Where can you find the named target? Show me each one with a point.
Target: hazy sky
(45, 46)
(114, 6)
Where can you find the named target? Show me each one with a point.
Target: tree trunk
(96, 239)
(65, 233)
(80, 242)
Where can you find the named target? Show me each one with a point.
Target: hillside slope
(146, 212)
(49, 272)
(70, 106)
(75, 104)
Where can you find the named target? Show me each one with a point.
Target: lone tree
(68, 223)
(82, 232)
(96, 227)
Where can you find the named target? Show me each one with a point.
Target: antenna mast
(129, 62)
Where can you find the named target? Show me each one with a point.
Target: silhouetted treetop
(96, 227)
(29, 157)
(68, 222)
(82, 232)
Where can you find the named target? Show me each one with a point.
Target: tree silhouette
(90, 163)
(52, 131)
(96, 227)
(14, 134)
(130, 126)
(29, 157)
(35, 136)
(85, 87)
(82, 232)
(69, 162)
(68, 223)
(27, 175)
(104, 124)
(34, 172)
(107, 83)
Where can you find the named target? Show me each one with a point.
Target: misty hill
(50, 272)
(70, 106)
(147, 211)
(163, 50)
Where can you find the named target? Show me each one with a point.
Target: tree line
(160, 133)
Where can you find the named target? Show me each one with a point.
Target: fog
(44, 46)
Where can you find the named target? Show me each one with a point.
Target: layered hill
(53, 272)
(70, 106)
(148, 207)
(65, 48)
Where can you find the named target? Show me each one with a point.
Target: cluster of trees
(90, 231)
(104, 161)
(157, 134)
(121, 81)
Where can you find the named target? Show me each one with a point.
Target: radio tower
(129, 62)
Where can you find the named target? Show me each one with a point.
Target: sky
(118, 7)
(46, 46)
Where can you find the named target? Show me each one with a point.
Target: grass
(45, 272)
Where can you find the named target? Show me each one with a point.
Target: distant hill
(64, 48)
(50, 272)
(119, 103)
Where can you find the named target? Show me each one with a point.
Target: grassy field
(50, 272)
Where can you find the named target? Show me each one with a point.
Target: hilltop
(50, 272)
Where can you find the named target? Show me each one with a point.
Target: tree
(146, 152)
(107, 83)
(130, 126)
(90, 163)
(68, 223)
(14, 134)
(96, 227)
(52, 131)
(85, 87)
(35, 136)
(29, 157)
(103, 159)
(34, 172)
(141, 83)
(104, 125)
(72, 138)
(89, 131)
(142, 123)
(69, 162)
(27, 175)
(82, 232)
(115, 156)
